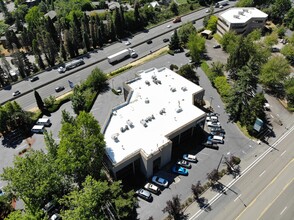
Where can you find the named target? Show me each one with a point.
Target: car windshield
(160, 180)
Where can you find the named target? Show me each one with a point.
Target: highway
(138, 43)
(265, 192)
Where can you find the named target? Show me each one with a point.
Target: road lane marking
(247, 169)
(283, 153)
(283, 210)
(269, 205)
(237, 197)
(273, 180)
(262, 173)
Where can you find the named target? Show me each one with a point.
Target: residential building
(240, 20)
(159, 113)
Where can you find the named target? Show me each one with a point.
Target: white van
(216, 139)
(38, 129)
(44, 121)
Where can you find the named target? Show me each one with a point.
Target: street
(263, 192)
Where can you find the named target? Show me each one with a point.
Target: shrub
(223, 87)
(174, 67)
(236, 160)
(120, 70)
(171, 52)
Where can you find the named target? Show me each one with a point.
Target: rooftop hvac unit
(245, 10)
(147, 101)
(184, 88)
(179, 109)
(236, 16)
(147, 82)
(241, 12)
(173, 89)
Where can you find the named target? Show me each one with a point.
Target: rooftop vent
(115, 137)
(147, 101)
(147, 82)
(162, 111)
(184, 88)
(173, 89)
(179, 109)
(130, 124)
(143, 122)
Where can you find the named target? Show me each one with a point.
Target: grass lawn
(181, 2)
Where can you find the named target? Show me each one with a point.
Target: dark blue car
(180, 170)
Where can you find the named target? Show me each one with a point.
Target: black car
(149, 42)
(165, 40)
(218, 130)
(59, 88)
(178, 50)
(34, 78)
(216, 46)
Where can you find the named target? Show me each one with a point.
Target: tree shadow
(219, 187)
(12, 139)
(203, 204)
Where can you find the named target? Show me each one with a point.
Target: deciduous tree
(185, 31)
(173, 208)
(196, 46)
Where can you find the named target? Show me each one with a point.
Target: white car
(190, 157)
(160, 181)
(152, 188)
(127, 43)
(168, 26)
(212, 118)
(213, 124)
(207, 11)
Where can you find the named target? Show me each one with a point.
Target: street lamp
(211, 98)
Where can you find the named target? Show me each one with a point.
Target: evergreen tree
(26, 39)
(2, 79)
(12, 39)
(76, 31)
(49, 47)
(86, 41)
(85, 22)
(174, 41)
(137, 16)
(68, 44)
(62, 51)
(174, 8)
(37, 53)
(93, 28)
(39, 101)
(117, 23)
(52, 30)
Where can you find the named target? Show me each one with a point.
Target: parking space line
(237, 197)
(262, 173)
(283, 210)
(282, 153)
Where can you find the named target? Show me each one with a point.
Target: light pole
(211, 98)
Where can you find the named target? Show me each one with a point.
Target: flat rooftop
(242, 15)
(162, 107)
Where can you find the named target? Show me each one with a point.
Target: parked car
(34, 78)
(16, 93)
(207, 11)
(165, 40)
(149, 42)
(216, 139)
(160, 181)
(49, 207)
(184, 163)
(180, 170)
(212, 114)
(190, 157)
(275, 49)
(127, 43)
(209, 144)
(216, 46)
(59, 88)
(212, 118)
(178, 50)
(220, 130)
(144, 194)
(152, 188)
(55, 217)
(214, 124)
(217, 133)
(266, 106)
(168, 26)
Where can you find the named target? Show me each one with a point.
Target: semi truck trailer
(221, 3)
(122, 55)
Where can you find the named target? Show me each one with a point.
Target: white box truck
(221, 3)
(44, 121)
(122, 55)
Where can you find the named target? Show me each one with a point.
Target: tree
(96, 80)
(48, 46)
(239, 56)
(174, 8)
(39, 100)
(279, 9)
(81, 148)
(243, 91)
(117, 22)
(211, 23)
(213, 176)
(196, 45)
(38, 54)
(229, 41)
(78, 100)
(51, 145)
(173, 208)
(188, 72)
(137, 16)
(289, 19)
(97, 200)
(288, 52)
(217, 68)
(185, 31)
(5, 206)
(66, 117)
(197, 190)
(289, 90)
(174, 41)
(34, 179)
(274, 72)
(271, 40)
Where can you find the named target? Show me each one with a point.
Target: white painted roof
(179, 110)
(242, 15)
